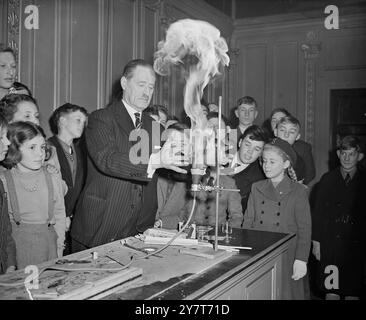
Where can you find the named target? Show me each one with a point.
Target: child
(159, 113)
(172, 187)
(19, 107)
(246, 111)
(245, 165)
(229, 203)
(288, 129)
(270, 124)
(7, 244)
(280, 204)
(22, 107)
(67, 124)
(339, 221)
(8, 68)
(35, 198)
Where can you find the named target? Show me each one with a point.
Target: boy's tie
(138, 120)
(347, 179)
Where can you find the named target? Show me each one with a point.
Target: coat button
(261, 222)
(263, 202)
(278, 213)
(262, 212)
(279, 203)
(277, 224)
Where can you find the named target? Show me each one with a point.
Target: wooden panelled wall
(288, 61)
(81, 46)
(294, 63)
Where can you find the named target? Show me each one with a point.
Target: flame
(199, 48)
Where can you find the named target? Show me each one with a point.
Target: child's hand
(10, 269)
(52, 169)
(299, 269)
(316, 250)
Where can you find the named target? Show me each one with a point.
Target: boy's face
(246, 114)
(73, 124)
(250, 150)
(288, 132)
(349, 158)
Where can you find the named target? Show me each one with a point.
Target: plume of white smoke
(199, 48)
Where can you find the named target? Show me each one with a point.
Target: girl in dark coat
(280, 204)
(339, 224)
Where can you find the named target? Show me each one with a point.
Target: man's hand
(316, 250)
(299, 269)
(171, 156)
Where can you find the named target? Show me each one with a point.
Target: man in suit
(67, 124)
(119, 197)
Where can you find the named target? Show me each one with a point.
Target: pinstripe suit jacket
(117, 195)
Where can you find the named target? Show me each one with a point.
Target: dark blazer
(303, 149)
(339, 217)
(244, 180)
(7, 244)
(74, 190)
(117, 192)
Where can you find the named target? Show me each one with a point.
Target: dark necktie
(347, 179)
(70, 154)
(137, 120)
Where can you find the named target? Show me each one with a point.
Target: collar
(242, 129)
(283, 188)
(131, 111)
(65, 146)
(351, 173)
(237, 164)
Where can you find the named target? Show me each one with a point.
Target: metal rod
(218, 177)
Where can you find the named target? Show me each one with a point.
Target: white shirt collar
(237, 164)
(131, 111)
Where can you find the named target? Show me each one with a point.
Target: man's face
(139, 88)
(288, 132)
(349, 158)
(246, 114)
(250, 150)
